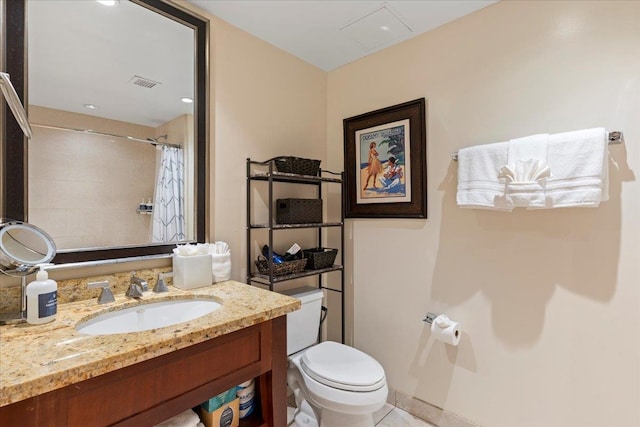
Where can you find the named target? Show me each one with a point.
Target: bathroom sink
(144, 317)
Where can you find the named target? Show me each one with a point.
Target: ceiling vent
(144, 82)
(379, 28)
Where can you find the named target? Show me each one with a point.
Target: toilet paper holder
(443, 329)
(430, 317)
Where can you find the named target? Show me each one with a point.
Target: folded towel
(578, 160)
(187, 418)
(580, 164)
(526, 171)
(478, 183)
(528, 147)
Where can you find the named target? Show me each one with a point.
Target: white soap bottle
(42, 298)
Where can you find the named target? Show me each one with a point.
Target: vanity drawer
(141, 387)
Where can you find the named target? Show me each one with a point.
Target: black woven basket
(318, 258)
(287, 267)
(297, 165)
(298, 211)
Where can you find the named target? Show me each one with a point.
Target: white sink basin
(144, 317)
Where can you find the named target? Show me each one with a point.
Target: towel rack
(614, 137)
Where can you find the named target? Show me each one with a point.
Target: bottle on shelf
(149, 205)
(276, 258)
(143, 206)
(293, 253)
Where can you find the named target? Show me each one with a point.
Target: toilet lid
(337, 365)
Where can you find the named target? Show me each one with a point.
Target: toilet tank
(303, 324)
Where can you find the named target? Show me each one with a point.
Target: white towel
(187, 418)
(526, 171)
(528, 147)
(578, 159)
(580, 164)
(478, 183)
(221, 261)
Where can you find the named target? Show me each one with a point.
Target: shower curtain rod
(111, 135)
(614, 137)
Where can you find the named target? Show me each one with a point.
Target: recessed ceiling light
(384, 28)
(108, 2)
(187, 100)
(90, 106)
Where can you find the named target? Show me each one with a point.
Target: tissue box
(192, 271)
(225, 416)
(220, 400)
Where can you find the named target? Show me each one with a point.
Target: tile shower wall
(84, 189)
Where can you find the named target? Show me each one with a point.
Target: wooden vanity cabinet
(152, 391)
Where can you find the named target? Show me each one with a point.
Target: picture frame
(385, 162)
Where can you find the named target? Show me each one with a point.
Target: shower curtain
(168, 206)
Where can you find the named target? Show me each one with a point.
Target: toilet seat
(342, 367)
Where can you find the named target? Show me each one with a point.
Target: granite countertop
(35, 359)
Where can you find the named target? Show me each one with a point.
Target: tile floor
(390, 416)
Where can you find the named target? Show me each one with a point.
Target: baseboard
(426, 411)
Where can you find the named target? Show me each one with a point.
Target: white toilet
(334, 385)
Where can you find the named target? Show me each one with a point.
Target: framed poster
(385, 162)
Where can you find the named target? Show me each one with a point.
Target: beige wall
(548, 300)
(264, 103)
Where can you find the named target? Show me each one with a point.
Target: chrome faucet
(136, 286)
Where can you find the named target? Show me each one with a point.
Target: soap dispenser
(42, 298)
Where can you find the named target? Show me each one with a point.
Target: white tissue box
(192, 271)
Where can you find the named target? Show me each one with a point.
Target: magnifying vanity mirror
(117, 101)
(23, 247)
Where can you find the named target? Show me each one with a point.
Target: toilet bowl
(334, 385)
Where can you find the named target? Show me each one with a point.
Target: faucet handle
(106, 295)
(160, 285)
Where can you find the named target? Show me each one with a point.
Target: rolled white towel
(187, 418)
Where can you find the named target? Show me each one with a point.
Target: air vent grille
(143, 81)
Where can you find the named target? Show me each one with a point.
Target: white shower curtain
(168, 205)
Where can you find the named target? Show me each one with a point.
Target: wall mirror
(117, 100)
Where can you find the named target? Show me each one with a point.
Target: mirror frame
(14, 168)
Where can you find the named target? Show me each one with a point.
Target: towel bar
(615, 137)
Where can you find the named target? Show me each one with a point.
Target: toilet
(334, 385)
